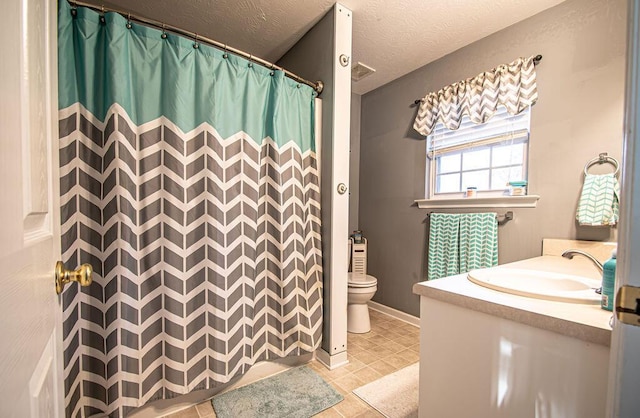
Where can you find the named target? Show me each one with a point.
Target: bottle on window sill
(471, 192)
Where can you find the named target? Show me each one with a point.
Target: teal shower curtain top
(101, 64)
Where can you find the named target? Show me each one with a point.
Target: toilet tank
(359, 259)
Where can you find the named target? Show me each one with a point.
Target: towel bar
(508, 216)
(601, 159)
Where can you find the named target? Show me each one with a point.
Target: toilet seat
(368, 281)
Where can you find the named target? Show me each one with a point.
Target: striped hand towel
(478, 241)
(599, 201)
(443, 257)
(461, 242)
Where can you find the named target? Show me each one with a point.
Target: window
(486, 156)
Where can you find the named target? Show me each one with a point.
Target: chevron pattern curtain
(189, 180)
(511, 85)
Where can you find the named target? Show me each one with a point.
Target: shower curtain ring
(250, 61)
(164, 32)
(225, 55)
(195, 43)
(129, 21)
(102, 19)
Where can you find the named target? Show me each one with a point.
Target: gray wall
(578, 115)
(354, 162)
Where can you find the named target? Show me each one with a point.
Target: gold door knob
(63, 276)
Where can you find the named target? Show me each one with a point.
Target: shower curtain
(189, 181)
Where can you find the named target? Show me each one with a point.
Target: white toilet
(362, 287)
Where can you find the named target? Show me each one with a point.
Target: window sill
(528, 201)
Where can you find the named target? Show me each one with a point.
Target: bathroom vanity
(485, 353)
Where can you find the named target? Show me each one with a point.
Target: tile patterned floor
(391, 345)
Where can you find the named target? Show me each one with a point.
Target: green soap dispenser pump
(608, 282)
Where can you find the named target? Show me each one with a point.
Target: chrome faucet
(570, 253)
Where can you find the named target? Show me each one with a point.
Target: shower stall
(206, 275)
(190, 181)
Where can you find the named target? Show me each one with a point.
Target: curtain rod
(536, 61)
(318, 86)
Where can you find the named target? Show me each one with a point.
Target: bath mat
(295, 393)
(394, 395)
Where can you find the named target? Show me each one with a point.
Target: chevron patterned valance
(511, 85)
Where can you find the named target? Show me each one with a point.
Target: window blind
(501, 127)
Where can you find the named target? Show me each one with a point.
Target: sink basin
(538, 284)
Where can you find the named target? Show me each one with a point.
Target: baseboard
(331, 361)
(409, 319)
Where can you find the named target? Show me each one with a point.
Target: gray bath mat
(295, 393)
(394, 395)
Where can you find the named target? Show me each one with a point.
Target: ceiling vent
(360, 71)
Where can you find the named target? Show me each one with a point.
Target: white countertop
(586, 322)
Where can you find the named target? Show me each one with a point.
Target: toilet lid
(368, 281)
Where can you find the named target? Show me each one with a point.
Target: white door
(624, 363)
(30, 335)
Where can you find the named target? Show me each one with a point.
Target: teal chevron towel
(600, 200)
(478, 241)
(461, 242)
(444, 232)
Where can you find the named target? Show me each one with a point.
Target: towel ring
(601, 159)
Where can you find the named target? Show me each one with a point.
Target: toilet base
(358, 318)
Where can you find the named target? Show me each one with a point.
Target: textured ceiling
(393, 36)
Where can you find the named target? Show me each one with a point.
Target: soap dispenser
(608, 282)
